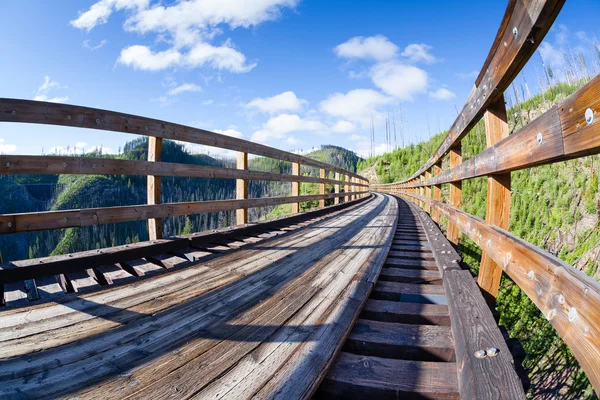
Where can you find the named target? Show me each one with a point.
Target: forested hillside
(553, 207)
(34, 193)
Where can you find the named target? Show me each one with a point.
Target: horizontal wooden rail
(561, 133)
(37, 112)
(524, 26)
(51, 165)
(27, 222)
(569, 299)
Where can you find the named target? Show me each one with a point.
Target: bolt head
(10, 224)
(98, 120)
(7, 165)
(68, 117)
(480, 354)
(14, 112)
(515, 31)
(589, 116)
(65, 219)
(540, 138)
(146, 127)
(492, 352)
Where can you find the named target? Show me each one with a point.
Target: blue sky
(293, 74)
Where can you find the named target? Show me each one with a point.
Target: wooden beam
(427, 191)
(336, 188)
(455, 195)
(322, 187)
(54, 165)
(437, 193)
(241, 189)
(346, 188)
(498, 199)
(295, 187)
(155, 228)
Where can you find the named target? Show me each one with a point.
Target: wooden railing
(27, 111)
(567, 297)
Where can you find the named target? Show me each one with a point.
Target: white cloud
(43, 92)
(99, 12)
(165, 101)
(399, 80)
(188, 27)
(81, 144)
(87, 45)
(358, 105)
(442, 94)
(373, 47)
(293, 141)
(343, 126)
(222, 58)
(7, 148)
(286, 101)
(278, 127)
(207, 102)
(186, 87)
(229, 132)
(419, 52)
(79, 148)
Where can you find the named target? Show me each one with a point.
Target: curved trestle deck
(262, 317)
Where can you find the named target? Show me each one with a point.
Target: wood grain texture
(295, 187)
(37, 112)
(455, 193)
(336, 188)
(498, 199)
(322, 188)
(241, 189)
(155, 229)
(437, 192)
(568, 298)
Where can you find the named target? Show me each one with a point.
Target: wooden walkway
(264, 321)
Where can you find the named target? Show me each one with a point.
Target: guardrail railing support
(421, 191)
(241, 190)
(322, 188)
(346, 188)
(155, 228)
(336, 188)
(437, 193)
(455, 195)
(427, 192)
(498, 201)
(295, 187)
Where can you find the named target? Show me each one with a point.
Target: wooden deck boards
(263, 320)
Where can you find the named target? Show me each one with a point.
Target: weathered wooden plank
(27, 222)
(498, 199)
(401, 341)
(366, 377)
(51, 165)
(530, 21)
(568, 298)
(241, 189)
(37, 112)
(155, 229)
(406, 313)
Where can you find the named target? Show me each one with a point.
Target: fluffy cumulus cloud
(419, 52)
(359, 105)
(399, 80)
(230, 132)
(551, 55)
(280, 126)
(286, 101)
(7, 148)
(442, 94)
(188, 27)
(43, 92)
(373, 47)
(186, 87)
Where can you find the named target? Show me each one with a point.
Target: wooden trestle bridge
(365, 298)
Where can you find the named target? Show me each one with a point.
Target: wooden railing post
(498, 201)
(421, 191)
(322, 188)
(337, 188)
(427, 192)
(455, 195)
(346, 188)
(155, 228)
(437, 193)
(241, 189)
(295, 187)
